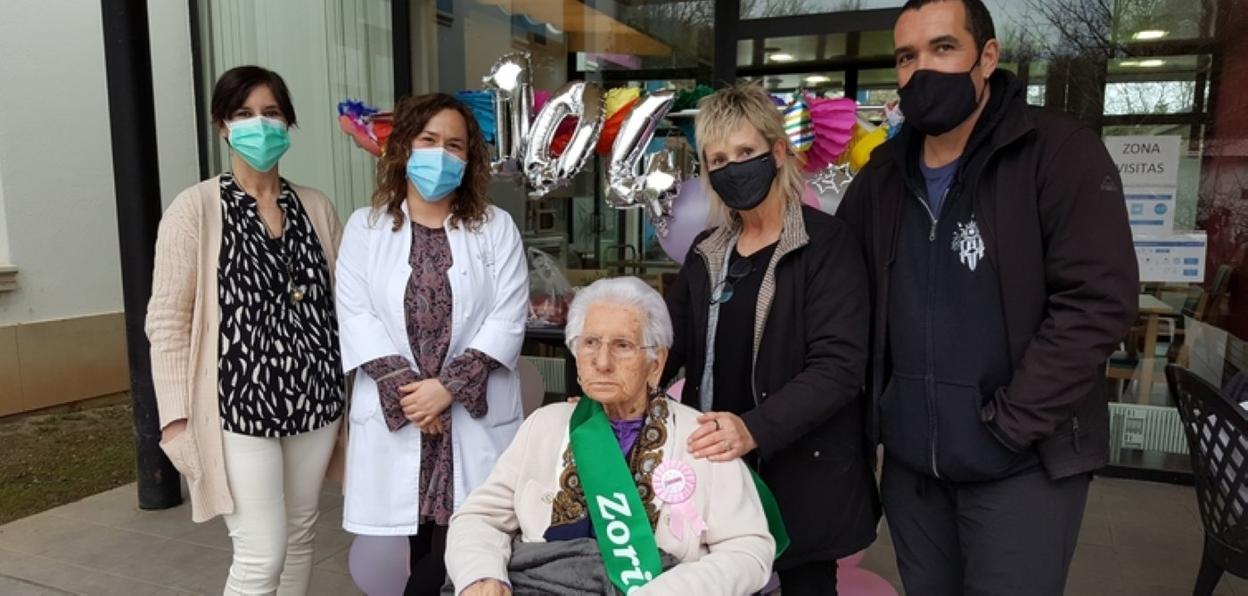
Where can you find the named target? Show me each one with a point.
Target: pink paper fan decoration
(833, 121)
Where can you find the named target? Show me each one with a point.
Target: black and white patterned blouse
(280, 368)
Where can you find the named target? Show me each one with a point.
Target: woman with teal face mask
(245, 353)
(432, 299)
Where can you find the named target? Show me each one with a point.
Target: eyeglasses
(588, 346)
(737, 271)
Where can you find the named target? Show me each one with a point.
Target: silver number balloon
(625, 176)
(652, 187)
(513, 109)
(576, 99)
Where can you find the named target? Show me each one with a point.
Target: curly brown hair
(469, 205)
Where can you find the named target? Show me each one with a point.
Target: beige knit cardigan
(183, 328)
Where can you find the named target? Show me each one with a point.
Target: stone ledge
(8, 278)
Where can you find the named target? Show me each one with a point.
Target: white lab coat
(489, 286)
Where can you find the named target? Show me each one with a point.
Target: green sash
(775, 524)
(625, 539)
(623, 531)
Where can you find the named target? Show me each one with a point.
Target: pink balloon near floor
(852, 581)
(690, 212)
(379, 564)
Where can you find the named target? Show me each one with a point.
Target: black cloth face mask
(742, 185)
(935, 102)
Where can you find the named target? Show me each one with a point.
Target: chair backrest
(1194, 303)
(1217, 439)
(1211, 309)
(1236, 360)
(532, 387)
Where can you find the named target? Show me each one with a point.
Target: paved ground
(1138, 538)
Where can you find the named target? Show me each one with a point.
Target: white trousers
(276, 483)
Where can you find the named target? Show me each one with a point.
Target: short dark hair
(233, 88)
(978, 19)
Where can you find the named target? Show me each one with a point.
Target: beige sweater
(733, 556)
(183, 328)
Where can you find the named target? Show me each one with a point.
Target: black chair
(1217, 439)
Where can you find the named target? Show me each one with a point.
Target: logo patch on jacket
(969, 244)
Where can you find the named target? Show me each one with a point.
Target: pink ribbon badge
(673, 483)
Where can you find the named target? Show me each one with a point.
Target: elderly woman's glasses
(737, 271)
(588, 346)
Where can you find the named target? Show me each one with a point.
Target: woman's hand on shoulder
(721, 436)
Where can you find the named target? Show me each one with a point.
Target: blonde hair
(721, 114)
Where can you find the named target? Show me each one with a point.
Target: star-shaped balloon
(834, 178)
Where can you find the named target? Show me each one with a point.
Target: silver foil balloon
(513, 109)
(659, 186)
(577, 99)
(625, 177)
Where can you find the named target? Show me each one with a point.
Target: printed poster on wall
(1149, 167)
(1150, 210)
(1171, 258)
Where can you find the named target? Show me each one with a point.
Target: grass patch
(60, 458)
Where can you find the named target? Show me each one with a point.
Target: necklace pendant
(297, 293)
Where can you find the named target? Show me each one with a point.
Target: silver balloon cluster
(524, 141)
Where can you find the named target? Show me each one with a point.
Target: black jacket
(810, 361)
(1049, 204)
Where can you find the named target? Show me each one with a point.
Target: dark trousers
(428, 564)
(1012, 536)
(817, 578)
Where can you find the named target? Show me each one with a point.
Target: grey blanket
(570, 567)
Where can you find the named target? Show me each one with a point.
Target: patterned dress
(427, 303)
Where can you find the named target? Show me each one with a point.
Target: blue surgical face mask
(260, 141)
(434, 172)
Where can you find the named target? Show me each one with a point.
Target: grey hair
(629, 292)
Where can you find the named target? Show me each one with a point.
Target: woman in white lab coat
(432, 297)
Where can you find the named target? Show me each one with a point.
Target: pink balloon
(379, 564)
(677, 389)
(690, 212)
(810, 198)
(852, 560)
(852, 581)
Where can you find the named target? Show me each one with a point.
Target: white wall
(4, 229)
(56, 154)
(173, 77)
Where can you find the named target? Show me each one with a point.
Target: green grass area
(50, 460)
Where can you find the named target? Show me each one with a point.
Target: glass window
(326, 51)
(1152, 85)
(758, 9)
(774, 51)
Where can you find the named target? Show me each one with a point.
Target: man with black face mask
(1002, 275)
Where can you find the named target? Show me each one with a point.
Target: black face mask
(742, 185)
(935, 102)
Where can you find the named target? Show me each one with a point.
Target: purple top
(626, 432)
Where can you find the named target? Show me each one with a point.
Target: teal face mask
(434, 172)
(260, 141)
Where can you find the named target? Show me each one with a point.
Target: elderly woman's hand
(487, 587)
(722, 436)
